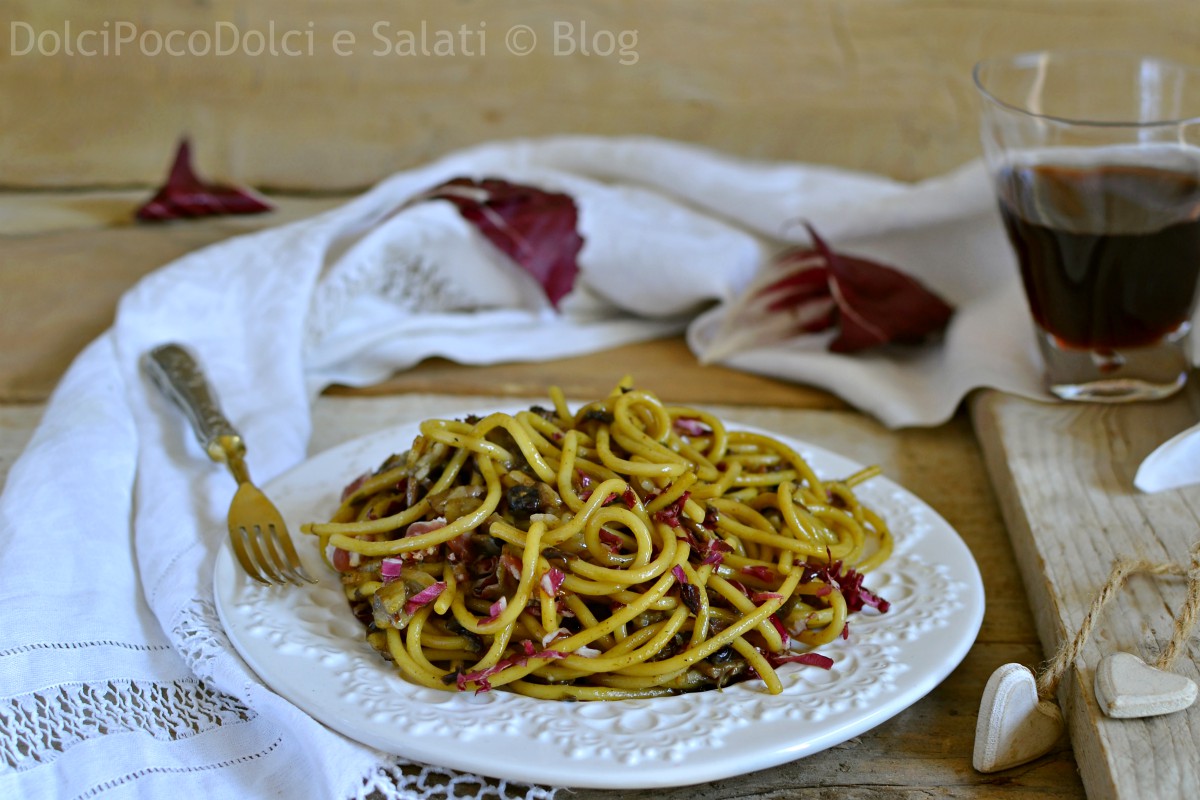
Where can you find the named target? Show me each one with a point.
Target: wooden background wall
(881, 85)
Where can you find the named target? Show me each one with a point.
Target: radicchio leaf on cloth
(810, 289)
(185, 195)
(533, 227)
(878, 304)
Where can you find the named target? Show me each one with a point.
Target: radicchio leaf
(810, 659)
(670, 515)
(850, 582)
(878, 304)
(552, 581)
(424, 597)
(185, 195)
(810, 289)
(480, 678)
(533, 227)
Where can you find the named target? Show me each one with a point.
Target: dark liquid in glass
(1109, 254)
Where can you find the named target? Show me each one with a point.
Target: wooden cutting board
(1063, 475)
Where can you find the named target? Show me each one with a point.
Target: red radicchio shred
(184, 195)
(425, 526)
(760, 572)
(741, 587)
(480, 678)
(670, 514)
(496, 609)
(552, 581)
(390, 568)
(809, 659)
(424, 597)
(613, 541)
(690, 426)
(850, 583)
(584, 480)
(780, 629)
(690, 538)
(612, 498)
(679, 574)
(459, 548)
(533, 227)
(629, 497)
(758, 598)
(714, 556)
(711, 517)
(512, 564)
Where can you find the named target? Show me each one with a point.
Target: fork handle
(177, 373)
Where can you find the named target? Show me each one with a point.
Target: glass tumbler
(1095, 160)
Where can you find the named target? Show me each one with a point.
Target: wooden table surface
(64, 260)
(1041, 494)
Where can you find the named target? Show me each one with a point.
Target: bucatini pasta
(625, 549)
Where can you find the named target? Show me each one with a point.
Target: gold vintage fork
(256, 529)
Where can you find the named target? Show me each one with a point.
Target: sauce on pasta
(628, 548)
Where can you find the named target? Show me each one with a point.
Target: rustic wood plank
(65, 260)
(665, 366)
(1064, 479)
(924, 751)
(881, 85)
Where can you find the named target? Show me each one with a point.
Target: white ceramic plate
(305, 644)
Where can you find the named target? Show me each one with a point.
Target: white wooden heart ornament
(1013, 726)
(1127, 687)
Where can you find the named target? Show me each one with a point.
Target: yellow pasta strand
(628, 549)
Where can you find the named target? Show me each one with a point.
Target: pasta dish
(629, 548)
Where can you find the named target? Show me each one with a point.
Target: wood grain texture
(665, 366)
(65, 260)
(880, 85)
(924, 751)
(1064, 478)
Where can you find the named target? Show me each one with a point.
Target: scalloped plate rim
(284, 674)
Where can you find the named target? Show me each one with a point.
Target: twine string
(1186, 621)
(1068, 652)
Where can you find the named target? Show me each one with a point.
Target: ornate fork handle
(257, 531)
(179, 377)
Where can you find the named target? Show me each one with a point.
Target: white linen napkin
(115, 675)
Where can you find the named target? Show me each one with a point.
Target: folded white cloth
(115, 676)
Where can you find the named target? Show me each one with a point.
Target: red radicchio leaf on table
(185, 195)
(533, 227)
